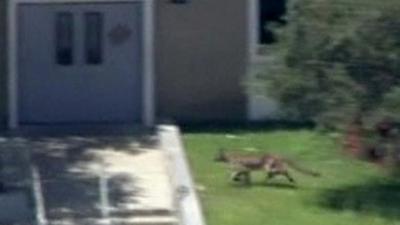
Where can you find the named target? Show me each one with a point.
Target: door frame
(147, 73)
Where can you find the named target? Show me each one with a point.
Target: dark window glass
(94, 38)
(64, 38)
(270, 11)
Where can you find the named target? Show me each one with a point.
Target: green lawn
(349, 191)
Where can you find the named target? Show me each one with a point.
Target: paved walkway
(103, 179)
(15, 202)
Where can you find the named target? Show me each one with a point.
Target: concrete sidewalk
(97, 180)
(16, 203)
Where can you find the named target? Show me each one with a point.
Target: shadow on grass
(280, 185)
(276, 185)
(238, 127)
(380, 198)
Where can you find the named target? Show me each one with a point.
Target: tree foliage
(339, 58)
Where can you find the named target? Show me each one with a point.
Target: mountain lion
(273, 165)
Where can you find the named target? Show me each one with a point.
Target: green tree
(340, 58)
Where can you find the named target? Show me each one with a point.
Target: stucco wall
(200, 60)
(2, 63)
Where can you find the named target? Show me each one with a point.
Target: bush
(339, 62)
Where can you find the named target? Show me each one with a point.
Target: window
(93, 38)
(264, 36)
(64, 38)
(269, 11)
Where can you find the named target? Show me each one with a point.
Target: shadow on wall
(375, 197)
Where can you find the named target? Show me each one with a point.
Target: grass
(349, 191)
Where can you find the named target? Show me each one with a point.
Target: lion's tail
(300, 169)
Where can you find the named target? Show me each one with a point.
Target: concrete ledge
(187, 200)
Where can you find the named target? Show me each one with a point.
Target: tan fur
(272, 165)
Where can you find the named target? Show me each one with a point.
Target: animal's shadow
(279, 185)
(266, 184)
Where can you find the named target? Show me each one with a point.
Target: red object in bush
(353, 138)
(384, 127)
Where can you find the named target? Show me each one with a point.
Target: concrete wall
(200, 60)
(260, 106)
(3, 53)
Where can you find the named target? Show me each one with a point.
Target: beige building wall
(201, 51)
(3, 53)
